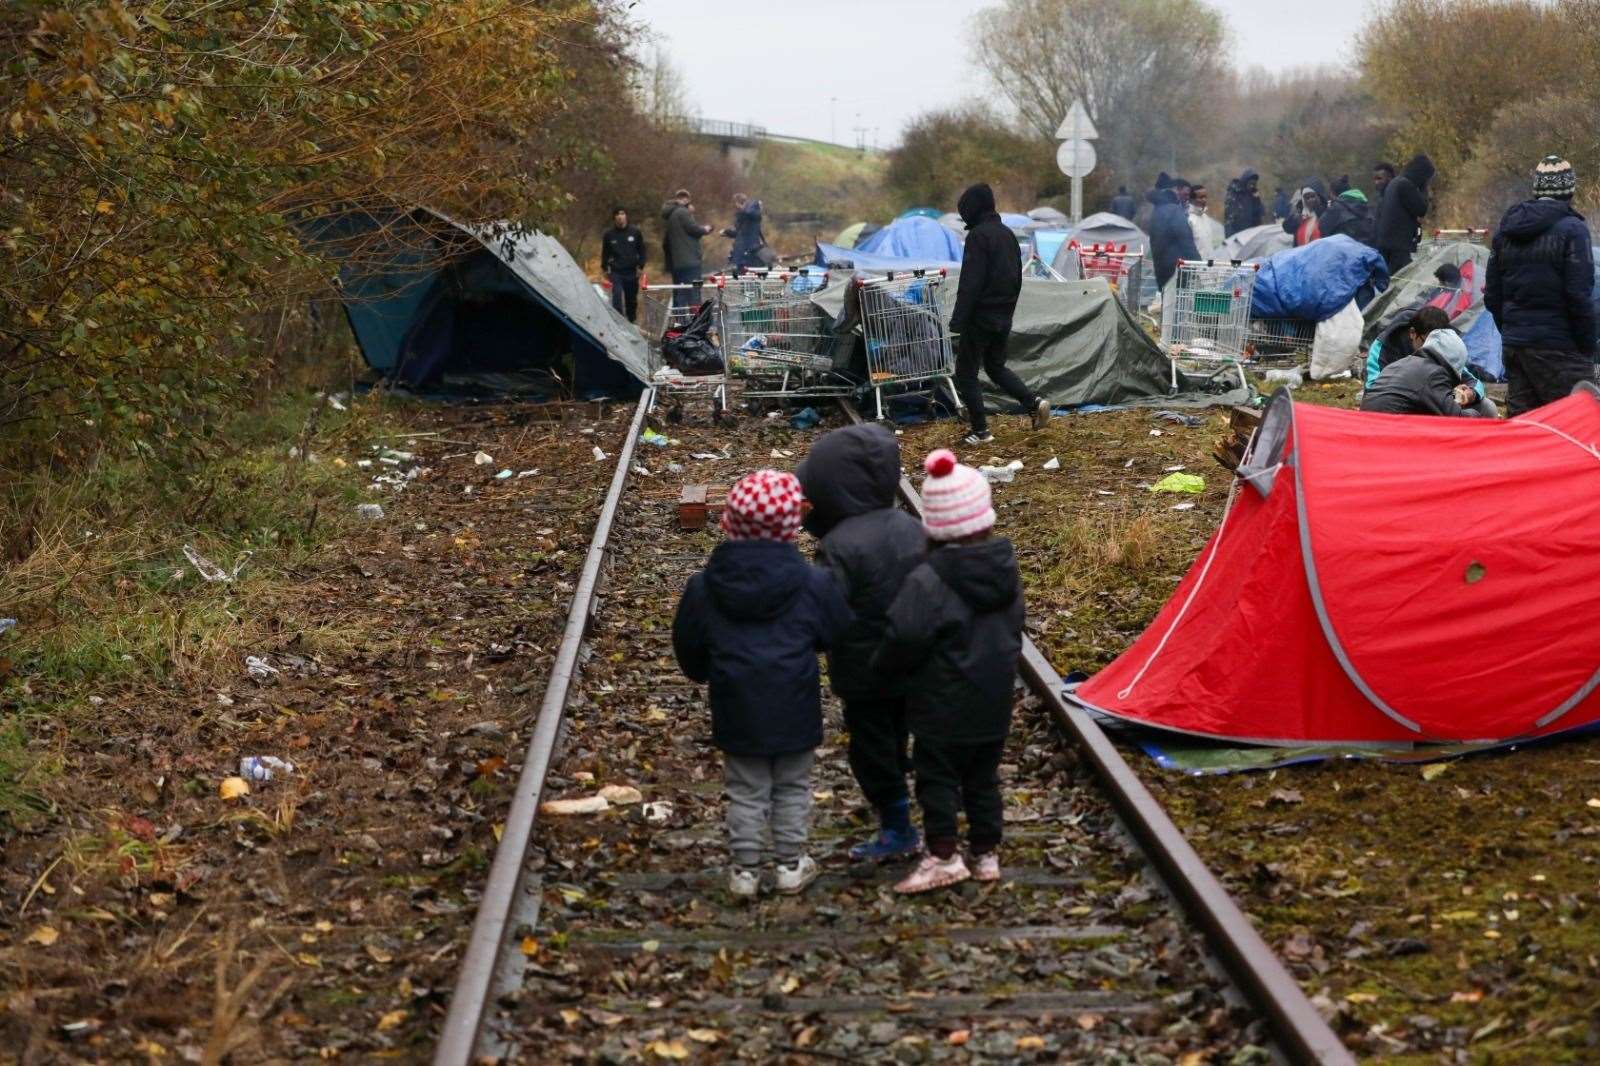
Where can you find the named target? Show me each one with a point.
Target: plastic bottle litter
(210, 570)
(805, 418)
(483, 459)
(256, 666)
(263, 767)
(1180, 483)
(370, 511)
(1291, 377)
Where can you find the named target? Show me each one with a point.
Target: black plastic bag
(693, 350)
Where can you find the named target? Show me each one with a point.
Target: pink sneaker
(933, 872)
(986, 867)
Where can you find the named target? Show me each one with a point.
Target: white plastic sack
(1337, 344)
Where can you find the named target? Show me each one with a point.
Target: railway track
(610, 937)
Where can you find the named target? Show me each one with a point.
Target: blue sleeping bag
(1316, 281)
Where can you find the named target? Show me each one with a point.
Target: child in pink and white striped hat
(955, 635)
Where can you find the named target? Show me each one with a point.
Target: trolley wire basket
(775, 338)
(1279, 339)
(1122, 268)
(664, 314)
(903, 325)
(1206, 322)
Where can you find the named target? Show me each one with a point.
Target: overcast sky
(809, 68)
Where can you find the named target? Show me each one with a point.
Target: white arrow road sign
(1077, 126)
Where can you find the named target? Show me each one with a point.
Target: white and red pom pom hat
(955, 498)
(764, 505)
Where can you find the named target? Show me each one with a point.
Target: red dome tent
(1390, 579)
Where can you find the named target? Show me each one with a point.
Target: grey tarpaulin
(1073, 343)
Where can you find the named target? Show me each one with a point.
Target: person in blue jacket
(1540, 288)
(1171, 239)
(748, 240)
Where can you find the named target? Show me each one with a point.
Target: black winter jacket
(1350, 217)
(991, 267)
(1540, 281)
(1405, 202)
(955, 634)
(1418, 384)
(1124, 205)
(1171, 239)
(871, 545)
(621, 250)
(1243, 209)
(751, 624)
(681, 241)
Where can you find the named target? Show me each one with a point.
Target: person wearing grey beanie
(1540, 289)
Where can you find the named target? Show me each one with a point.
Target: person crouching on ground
(871, 546)
(955, 634)
(986, 299)
(751, 624)
(1433, 381)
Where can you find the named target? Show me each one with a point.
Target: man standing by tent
(1171, 239)
(1208, 235)
(986, 299)
(681, 244)
(1405, 202)
(1242, 208)
(1539, 289)
(748, 240)
(1123, 204)
(1382, 175)
(621, 258)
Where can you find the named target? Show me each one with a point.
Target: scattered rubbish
(707, 455)
(1105, 492)
(1053, 464)
(674, 468)
(805, 418)
(642, 470)
(262, 767)
(371, 511)
(399, 457)
(504, 474)
(1181, 507)
(483, 459)
(599, 456)
(1173, 469)
(1434, 769)
(774, 414)
(1001, 475)
(336, 401)
(1128, 465)
(622, 794)
(650, 436)
(7, 624)
(210, 570)
(467, 491)
(233, 788)
(257, 666)
(526, 473)
(1180, 483)
(1192, 421)
(658, 813)
(779, 453)
(1155, 433)
(583, 805)
(1292, 377)
(364, 464)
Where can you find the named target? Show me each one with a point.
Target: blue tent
(920, 212)
(429, 298)
(917, 237)
(834, 257)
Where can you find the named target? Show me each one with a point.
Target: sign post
(1076, 156)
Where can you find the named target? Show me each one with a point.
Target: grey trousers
(768, 793)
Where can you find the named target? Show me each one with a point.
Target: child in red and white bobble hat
(750, 625)
(955, 634)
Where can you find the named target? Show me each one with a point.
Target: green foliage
(943, 152)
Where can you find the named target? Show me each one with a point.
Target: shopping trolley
(1470, 235)
(663, 315)
(775, 338)
(1279, 339)
(1122, 268)
(1206, 323)
(903, 325)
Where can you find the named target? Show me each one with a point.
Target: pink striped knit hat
(955, 498)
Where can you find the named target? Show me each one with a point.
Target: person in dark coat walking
(986, 298)
(748, 240)
(871, 546)
(1539, 288)
(621, 259)
(1432, 381)
(955, 634)
(1405, 202)
(1171, 239)
(1243, 209)
(1350, 215)
(681, 245)
(750, 625)
(1123, 204)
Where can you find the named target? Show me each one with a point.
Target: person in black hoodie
(955, 634)
(870, 545)
(1123, 204)
(1405, 201)
(1171, 239)
(621, 257)
(986, 298)
(1243, 208)
(750, 625)
(1349, 215)
(1539, 288)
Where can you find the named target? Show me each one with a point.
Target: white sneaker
(793, 877)
(744, 883)
(933, 872)
(986, 867)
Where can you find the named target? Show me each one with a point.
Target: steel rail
(469, 1002)
(1302, 1034)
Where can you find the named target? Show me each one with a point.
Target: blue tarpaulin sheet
(917, 237)
(1483, 347)
(1316, 281)
(832, 256)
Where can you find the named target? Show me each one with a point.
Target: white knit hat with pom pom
(955, 498)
